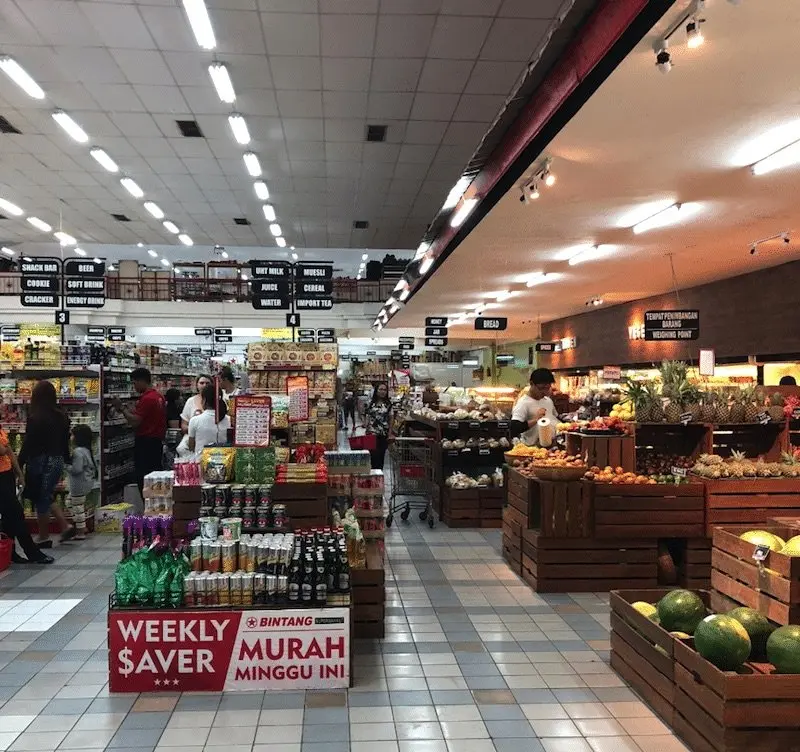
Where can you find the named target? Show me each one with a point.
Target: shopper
(82, 476)
(349, 408)
(149, 419)
(174, 405)
(534, 405)
(194, 405)
(378, 422)
(13, 517)
(227, 380)
(211, 426)
(787, 381)
(45, 451)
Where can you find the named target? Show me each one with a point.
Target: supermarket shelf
(85, 368)
(112, 423)
(63, 401)
(115, 450)
(120, 395)
(296, 367)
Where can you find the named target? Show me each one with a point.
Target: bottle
(332, 565)
(344, 569)
(307, 581)
(320, 579)
(295, 578)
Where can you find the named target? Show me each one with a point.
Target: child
(82, 476)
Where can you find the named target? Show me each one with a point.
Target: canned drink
(263, 496)
(248, 580)
(214, 561)
(262, 516)
(279, 515)
(232, 528)
(237, 494)
(207, 493)
(283, 587)
(250, 496)
(236, 589)
(219, 496)
(228, 549)
(259, 589)
(199, 590)
(189, 598)
(196, 555)
(248, 516)
(272, 588)
(210, 587)
(223, 583)
(209, 527)
(244, 555)
(263, 556)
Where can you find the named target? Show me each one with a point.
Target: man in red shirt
(149, 418)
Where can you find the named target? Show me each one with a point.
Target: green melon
(723, 641)
(783, 649)
(757, 626)
(681, 611)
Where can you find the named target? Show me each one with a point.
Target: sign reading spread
(548, 347)
(435, 341)
(191, 651)
(671, 325)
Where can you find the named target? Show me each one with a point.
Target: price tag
(680, 472)
(796, 413)
(484, 452)
(760, 553)
(453, 425)
(503, 424)
(686, 418)
(763, 418)
(452, 452)
(474, 424)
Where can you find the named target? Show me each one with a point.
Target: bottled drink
(344, 569)
(320, 579)
(295, 578)
(307, 581)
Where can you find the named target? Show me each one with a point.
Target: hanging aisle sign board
(436, 321)
(491, 324)
(435, 341)
(203, 332)
(308, 272)
(548, 347)
(84, 268)
(323, 288)
(41, 279)
(435, 331)
(49, 267)
(270, 270)
(39, 284)
(313, 304)
(668, 326)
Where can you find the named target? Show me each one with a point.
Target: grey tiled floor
(473, 661)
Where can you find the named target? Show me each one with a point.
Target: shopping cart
(411, 478)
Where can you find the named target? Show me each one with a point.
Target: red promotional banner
(195, 651)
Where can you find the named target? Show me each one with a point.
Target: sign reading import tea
(671, 325)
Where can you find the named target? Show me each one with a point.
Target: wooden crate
(750, 501)
(772, 587)
(755, 440)
(368, 592)
(690, 440)
(460, 507)
(512, 552)
(561, 508)
(581, 565)
(491, 507)
(603, 451)
(751, 710)
(648, 511)
(695, 568)
(514, 521)
(519, 492)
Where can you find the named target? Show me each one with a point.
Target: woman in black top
(174, 406)
(378, 421)
(45, 451)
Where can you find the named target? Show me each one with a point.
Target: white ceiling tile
(434, 106)
(395, 74)
(58, 161)
(143, 69)
(445, 76)
(303, 129)
(380, 153)
(169, 28)
(384, 105)
(514, 39)
(494, 77)
(527, 9)
(296, 72)
(344, 104)
(303, 169)
(306, 150)
(203, 100)
(16, 27)
(166, 165)
(186, 69)
(55, 23)
(161, 98)
(118, 25)
(459, 37)
(479, 107)
(201, 167)
(474, 7)
(222, 148)
(404, 36)
(71, 96)
(249, 71)
(190, 147)
(238, 31)
(299, 104)
(347, 74)
(289, 6)
(420, 153)
(347, 36)
(117, 146)
(344, 152)
(291, 33)
(135, 124)
(96, 124)
(233, 4)
(257, 102)
(344, 129)
(90, 65)
(415, 7)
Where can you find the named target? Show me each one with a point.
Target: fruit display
(474, 442)
(624, 410)
(738, 466)
(758, 629)
(613, 425)
(783, 649)
(723, 641)
(681, 611)
(616, 475)
(471, 411)
(773, 542)
(650, 461)
(523, 450)
(462, 481)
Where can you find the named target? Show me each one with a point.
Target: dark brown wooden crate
(306, 507)
(750, 501)
(603, 451)
(491, 523)
(289, 491)
(562, 509)
(515, 520)
(187, 494)
(368, 594)
(369, 630)
(186, 510)
(461, 522)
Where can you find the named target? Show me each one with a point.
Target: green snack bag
(124, 586)
(142, 574)
(161, 587)
(176, 588)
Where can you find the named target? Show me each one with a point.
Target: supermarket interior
(399, 376)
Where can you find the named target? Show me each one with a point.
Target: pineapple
(736, 412)
(775, 408)
(656, 407)
(636, 393)
(750, 408)
(721, 410)
(708, 408)
(672, 412)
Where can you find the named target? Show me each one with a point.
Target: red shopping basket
(6, 547)
(367, 441)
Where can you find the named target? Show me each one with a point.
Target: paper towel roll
(547, 432)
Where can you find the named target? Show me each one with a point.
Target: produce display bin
(694, 566)
(604, 451)
(675, 439)
(768, 440)
(460, 507)
(562, 508)
(368, 594)
(648, 511)
(771, 587)
(751, 501)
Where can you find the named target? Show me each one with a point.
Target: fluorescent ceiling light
(425, 266)
(80, 251)
(358, 276)
(421, 251)
(7, 206)
(64, 238)
(7, 251)
(295, 257)
(590, 254)
(164, 262)
(400, 285)
(280, 242)
(70, 126)
(536, 279)
(269, 212)
(785, 157)
(132, 187)
(469, 362)
(505, 295)
(201, 24)
(665, 217)
(39, 224)
(244, 276)
(185, 239)
(463, 212)
(275, 229)
(154, 209)
(456, 192)
(262, 192)
(364, 256)
(151, 252)
(111, 267)
(393, 309)
(105, 161)
(97, 260)
(21, 77)
(222, 82)
(252, 164)
(224, 254)
(170, 226)
(239, 128)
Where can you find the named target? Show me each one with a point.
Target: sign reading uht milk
(192, 651)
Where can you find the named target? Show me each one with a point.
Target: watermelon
(783, 649)
(757, 627)
(681, 611)
(723, 641)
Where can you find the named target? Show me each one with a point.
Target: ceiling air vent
(241, 220)
(6, 127)
(121, 217)
(360, 224)
(190, 129)
(376, 132)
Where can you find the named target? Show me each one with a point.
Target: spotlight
(664, 61)
(785, 237)
(549, 179)
(523, 196)
(530, 192)
(694, 37)
(753, 250)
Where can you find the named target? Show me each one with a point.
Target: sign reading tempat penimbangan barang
(215, 651)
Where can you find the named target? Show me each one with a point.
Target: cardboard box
(108, 519)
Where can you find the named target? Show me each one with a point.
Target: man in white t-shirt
(534, 405)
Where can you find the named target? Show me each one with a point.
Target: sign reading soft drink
(194, 651)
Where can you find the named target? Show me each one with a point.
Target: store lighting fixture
(456, 192)
(785, 157)
(244, 276)
(97, 260)
(21, 77)
(358, 276)
(170, 227)
(594, 302)
(262, 192)
(71, 128)
(425, 266)
(549, 179)
(665, 217)
(463, 212)
(80, 251)
(64, 238)
(201, 24)
(239, 128)
(185, 239)
(140, 245)
(590, 254)
(130, 185)
(7, 251)
(222, 82)
(394, 308)
(275, 229)
(112, 268)
(536, 279)
(164, 262)
(27, 258)
(252, 164)
(663, 58)
(269, 212)
(421, 250)
(469, 362)
(39, 224)
(694, 37)
(400, 285)
(151, 252)
(505, 295)
(104, 160)
(364, 256)
(10, 208)
(280, 242)
(295, 257)
(154, 209)
(224, 254)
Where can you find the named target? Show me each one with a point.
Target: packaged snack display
(153, 577)
(186, 473)
(217, 464)
(255, 465)
(293, 472)
(352, 461)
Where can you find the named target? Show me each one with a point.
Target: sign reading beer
(491, 324)
(216, 651)
(84, 268)
(671, 325)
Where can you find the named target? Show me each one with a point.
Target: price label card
(763, 418)
(760, 553)
(474, 425)
(484, 452)
(452, 425)
(502, 424)
(680, 472)
(253, 416)
(796, 413)
(297, 389)
(686, 418)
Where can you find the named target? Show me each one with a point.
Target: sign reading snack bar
(216, 651)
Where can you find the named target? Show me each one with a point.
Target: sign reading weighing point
(671, 325)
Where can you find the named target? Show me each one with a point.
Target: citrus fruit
(723, 641)
(680, 635)
(757, 626)
(681, 611)
(763, 538)
(783, 649)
